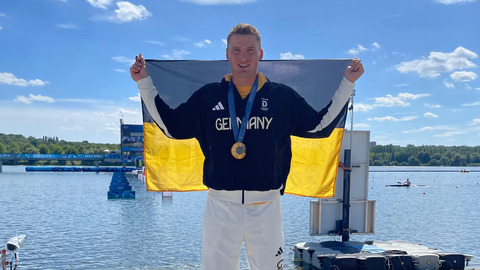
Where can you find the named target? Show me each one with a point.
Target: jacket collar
(262, 80)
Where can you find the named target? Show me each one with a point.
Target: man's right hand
(139, 70)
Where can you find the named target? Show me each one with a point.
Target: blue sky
(64, 63)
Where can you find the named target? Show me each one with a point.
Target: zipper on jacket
(243, 196)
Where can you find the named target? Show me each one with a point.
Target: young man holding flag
(243, 125)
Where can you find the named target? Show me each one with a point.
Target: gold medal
(239, 150)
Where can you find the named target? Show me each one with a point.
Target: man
(246, 161)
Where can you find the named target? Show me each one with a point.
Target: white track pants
(227, 223)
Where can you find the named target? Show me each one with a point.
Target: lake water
(70, 224)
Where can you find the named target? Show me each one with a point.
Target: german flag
(177, 165)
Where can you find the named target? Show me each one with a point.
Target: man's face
(243, 53)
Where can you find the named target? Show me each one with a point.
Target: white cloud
(360, 107)
(475, 121)
(389, 101)
(67, 26)
(357, 50)
(220, 2)
(463, 76)
(468, 87)
(202, 44)
(154, 42)
(403, 84)
(471, 104)
(112, 127)
(450, 134)
(393, 142)
(31, 97)
(2, 15)
(450, 2)
(438, 62)
(9, 78)
(290, 56)
(430, 115)
(477, 88)
(123, 59)
(1, 28)
(429, 129)
(376, 46)
(361, 126)
(175, 55)
(127, 12)
(121, 112)
(400, 100)
(181, 39)
(392, 119)
(225, 43)
(432, 105)
(120, 70)
(100, 3)
(135, 98)
(449, 85)
(381, 137)
(80, 100)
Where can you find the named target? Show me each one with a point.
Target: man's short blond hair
(245, 29)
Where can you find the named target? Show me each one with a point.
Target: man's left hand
(354, 70)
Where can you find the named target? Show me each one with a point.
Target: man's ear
(261, 54)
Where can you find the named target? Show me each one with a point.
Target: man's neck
(241, 81)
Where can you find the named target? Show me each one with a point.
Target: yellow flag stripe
(177, 165)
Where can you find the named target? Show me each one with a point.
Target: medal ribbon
(233, 116)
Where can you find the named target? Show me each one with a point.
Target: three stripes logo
(218, 107)
(279, 252)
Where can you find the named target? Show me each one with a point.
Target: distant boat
(464, 171)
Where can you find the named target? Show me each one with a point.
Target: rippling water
(70, 224)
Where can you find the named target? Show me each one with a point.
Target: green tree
(448, 154)
(434, 162)
(475, 158)
(378, 163)
(14, 148)
(424, 157)
(32, 150)
(3, 148)
(71, 150)
(459, 160)
(56, 149)
(401, 157)
(413, 161)
(437, 156)
(43, 148)
(445, 161)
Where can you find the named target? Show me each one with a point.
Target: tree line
(18, 144)
(425, 155)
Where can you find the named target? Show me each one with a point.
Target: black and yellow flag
(177, 165)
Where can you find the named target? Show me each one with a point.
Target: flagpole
(346, 183)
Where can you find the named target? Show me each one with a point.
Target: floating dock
(373, 255)
(77, 169)
(120, 188)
